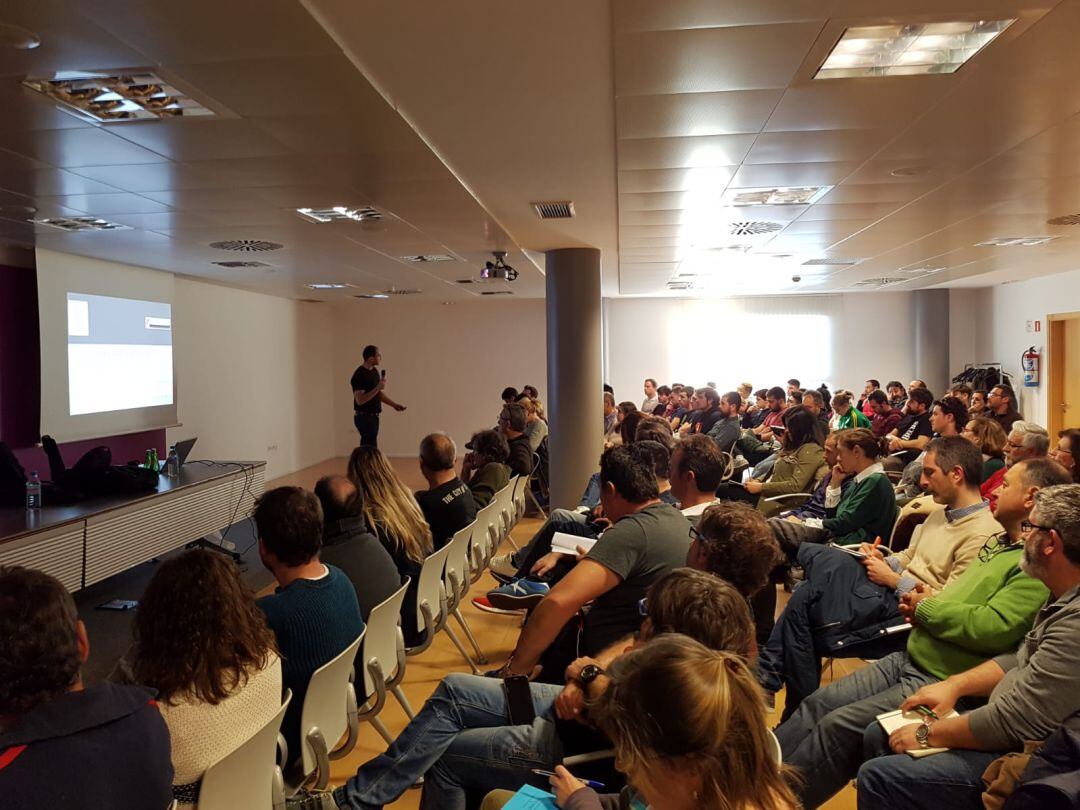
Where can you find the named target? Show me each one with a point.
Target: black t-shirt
(448, 509)
(364, 380)
(911, 427)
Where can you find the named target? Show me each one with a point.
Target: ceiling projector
(498, 269)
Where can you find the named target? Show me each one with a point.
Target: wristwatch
(589, 673)
(922, 734)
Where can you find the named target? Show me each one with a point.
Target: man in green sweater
(982, 614)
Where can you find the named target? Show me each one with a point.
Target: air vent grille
(75, 224)
(466, 281)
(244, 265)
(395, 291)
(1068, 219)
(878, 282)
(680, 285)
(496, 292)
(427, 258)
(554, 210)
(753, 227)
(246, 245)
(827, 261)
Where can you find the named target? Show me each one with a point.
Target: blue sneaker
(522, 593)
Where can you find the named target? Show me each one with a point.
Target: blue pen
(589, 782)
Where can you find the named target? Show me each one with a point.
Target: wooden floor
(495, 633)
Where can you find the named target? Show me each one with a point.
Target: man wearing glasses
(981, 615)
(1026, 440)
(1032, 691)
(512, 425)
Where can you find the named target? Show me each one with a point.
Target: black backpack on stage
(95, 475)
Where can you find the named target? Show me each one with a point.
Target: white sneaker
(502, 567)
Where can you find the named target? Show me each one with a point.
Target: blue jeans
(824, 738)
(591, 496)
(561, 520)
(890, 781)
(462, 731)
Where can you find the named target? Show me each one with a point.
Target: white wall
(254, 376)
(871, 337)
(447, 364)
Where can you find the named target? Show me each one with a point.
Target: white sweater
(203, 734)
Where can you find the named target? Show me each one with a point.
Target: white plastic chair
(505, 513)
(484, 538)
(249, 778)
(520, 504)
(431, 609)
(329, 712)
(382, 661)
(457, 583)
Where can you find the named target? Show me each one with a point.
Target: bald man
(447, 504)
(349, 545)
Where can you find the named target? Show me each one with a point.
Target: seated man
(647, 538)
(1032, 691)
(484, 467)
(1001, 404)
(610, 416)
(460, 743)
(313, 611)
(725, 432)
(897, 394)
(885, 418)
(1026, 440)
(776, 400)
(512, 425)
(983, 613)
(948, 416)
(348, 545)
(845, 601)
(63, 744)
(447, 504)
(697, 468)
(912, 433)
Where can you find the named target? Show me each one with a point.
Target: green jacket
(982, 613)
(866, 511)
(488, 480)
(793, 472)
(854, 418)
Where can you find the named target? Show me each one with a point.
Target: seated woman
(990, 437)
(201, 642)
(1067, 452)
(392, 514)
(845, 415)
(484, 467)
(801, 457)
(536, 429)
(688, 724)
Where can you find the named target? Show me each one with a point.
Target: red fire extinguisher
(1029, 364)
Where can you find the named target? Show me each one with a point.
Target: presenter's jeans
(461, 743)
(368, 426)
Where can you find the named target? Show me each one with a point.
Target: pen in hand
(588, 782)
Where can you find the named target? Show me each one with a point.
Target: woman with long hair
(392, 514)
(204, 645)
(990, 437)
(689, 729)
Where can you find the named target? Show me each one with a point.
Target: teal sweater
(868, 510)
(982, 613)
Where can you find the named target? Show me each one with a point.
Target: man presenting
(368, 397)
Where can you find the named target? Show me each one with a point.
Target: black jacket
(358, 553)
(106, 746)
(521, 456)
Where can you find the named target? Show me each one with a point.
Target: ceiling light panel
(427, 258)
(338, 213)
(908, 50)
(1017, 241)
(78, 224)
(328, 285)
(796, 195)
(110, 96)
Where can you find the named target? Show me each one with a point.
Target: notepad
(891, 721)
(563, 543)
(531, 798)
(852, 550)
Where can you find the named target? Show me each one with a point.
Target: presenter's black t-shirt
(364, 380)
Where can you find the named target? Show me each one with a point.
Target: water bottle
(172, 464)
(33, 492)
(154, 465)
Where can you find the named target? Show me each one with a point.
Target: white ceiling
(452, 117)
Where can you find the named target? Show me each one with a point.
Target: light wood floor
(495, 633)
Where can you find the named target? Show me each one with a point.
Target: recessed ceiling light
(1017, 241)
(794, 195)
(424, 259)
(372, 295)
(108, 96)
(878, 282)
(327, 285)
(75, 224)
(908, 50)
(18, 38)
(910, 171)
(827, 261)
(339, 212)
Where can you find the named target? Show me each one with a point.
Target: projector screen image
(119, 354)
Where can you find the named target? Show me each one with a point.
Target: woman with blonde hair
(689, 729)
(990, 437)
(393, 515)
(536, 429)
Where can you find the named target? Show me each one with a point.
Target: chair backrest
(505, 512)
(486, 518)
(245, 779)
(381, 638)
(430, 587)
(458, 562)
(326, 702)
(778, 753)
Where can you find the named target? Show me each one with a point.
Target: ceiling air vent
(246, 245)
(680, 285)
(427, 258)
(242, 265)
(466, 281)
(1068, 219)
(554, 210)
(309, 300)
(753, 227)
(395, 291)
(496, 292)
(75, 224)
(829, 262)
(878, 282)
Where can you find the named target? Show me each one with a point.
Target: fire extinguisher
(1029, 363)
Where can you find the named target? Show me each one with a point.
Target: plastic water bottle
(172, 464)
(33, 492)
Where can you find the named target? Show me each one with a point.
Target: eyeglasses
(995, 545)
(1027, 527)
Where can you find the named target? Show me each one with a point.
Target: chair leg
(322, 758)
(403, 701)
(461, 649)
(480, 657)
(529, 494)
(379, 727)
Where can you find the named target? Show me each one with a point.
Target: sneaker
(482, 603)
(522, 593)
(311, 800)
(503, 567)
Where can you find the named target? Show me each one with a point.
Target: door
(1063, 377)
